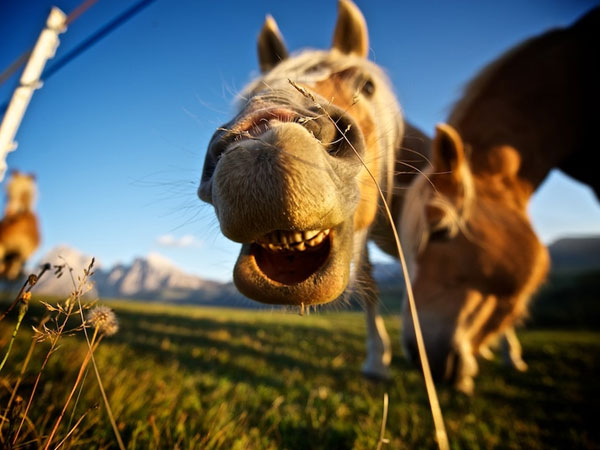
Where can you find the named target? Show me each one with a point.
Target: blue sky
(117, 137)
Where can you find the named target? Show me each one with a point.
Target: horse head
(474, 257)
(286, 174)
(20, 193)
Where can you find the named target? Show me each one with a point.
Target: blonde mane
(414, 230)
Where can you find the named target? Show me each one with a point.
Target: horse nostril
(337, 132)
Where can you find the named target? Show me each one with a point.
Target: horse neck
(530, 100)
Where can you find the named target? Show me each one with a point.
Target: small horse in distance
(475, 258)
(290, 176)
(19, 231)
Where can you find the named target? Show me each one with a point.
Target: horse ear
(448, 149)
(505, 160)
(350, 35)
(271, 48)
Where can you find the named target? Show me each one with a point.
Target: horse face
(285, 175)
(474, 258)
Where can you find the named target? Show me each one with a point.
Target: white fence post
(45, 48)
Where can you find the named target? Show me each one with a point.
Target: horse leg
(2, 262)
(379, 354)
(512, 350)
(477, 311)
(485, 352)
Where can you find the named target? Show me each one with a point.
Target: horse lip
(259, 120)
(326, 284)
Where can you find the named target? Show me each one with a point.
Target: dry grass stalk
(72, 430)
(51, 328)
(22, 299)
(59, 316)
(84, 364)
(438, 419)
(107, 322)
(382, 439)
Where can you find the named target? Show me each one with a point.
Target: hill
(152, 278)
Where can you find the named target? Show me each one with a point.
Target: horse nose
(337, 131)
(441, 358)
(334, 129)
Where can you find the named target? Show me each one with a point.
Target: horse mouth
(291, 257)
(294, 267)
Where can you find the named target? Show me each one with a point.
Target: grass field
(189, 377)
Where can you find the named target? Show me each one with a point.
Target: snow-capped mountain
(154, 276)
(63, 286)
(151, 278)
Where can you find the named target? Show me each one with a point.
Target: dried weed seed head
(104, 319)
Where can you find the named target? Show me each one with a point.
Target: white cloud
(185, 241)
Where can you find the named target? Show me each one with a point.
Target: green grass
(188, 377)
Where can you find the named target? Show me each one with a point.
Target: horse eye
(368, 88)
(439, 234)
(315, 68)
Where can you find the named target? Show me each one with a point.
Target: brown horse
(476, 259)
(286, 175)
(19, 236)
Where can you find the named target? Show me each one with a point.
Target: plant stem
(86, 360)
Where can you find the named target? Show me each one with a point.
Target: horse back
(584, 36)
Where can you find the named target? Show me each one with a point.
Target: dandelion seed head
(104, 319)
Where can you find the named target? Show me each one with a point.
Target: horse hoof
(374, 373)
(520, 365)
(466, 385)
(486, 353)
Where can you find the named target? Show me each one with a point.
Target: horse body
(19, 235)
(289, 176)
(475, 258)
(550, 81)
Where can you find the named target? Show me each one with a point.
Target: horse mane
(414, 230)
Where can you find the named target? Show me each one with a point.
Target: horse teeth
(280, 240)
(308, 235)
(316, 240)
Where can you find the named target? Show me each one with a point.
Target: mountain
(152, 278)
(63, 286)
(575, 253)
(155, 278)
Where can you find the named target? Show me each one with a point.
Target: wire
(89, 42)
(100, 34)
(21, 60)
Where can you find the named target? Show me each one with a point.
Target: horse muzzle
(282, 182)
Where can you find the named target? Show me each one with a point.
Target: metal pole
(45, 48)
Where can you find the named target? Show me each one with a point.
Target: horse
(289, 176)
(19, 231)
(474, 257)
